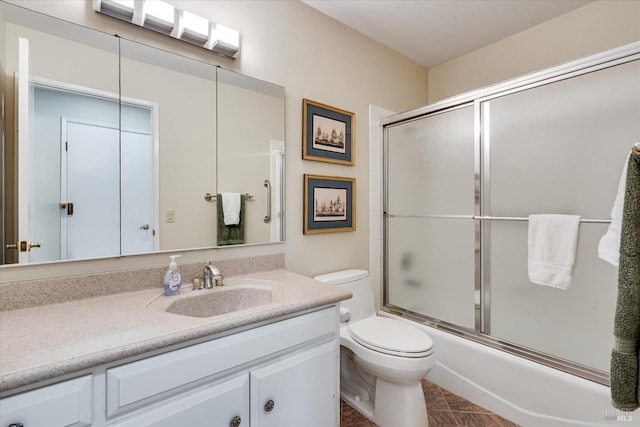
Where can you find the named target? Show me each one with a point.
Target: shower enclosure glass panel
(560, 148)
(430, 165)
(557, 148)
(431, 265)
(428, 209)
(575, 324)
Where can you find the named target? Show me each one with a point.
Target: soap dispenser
(172, 279)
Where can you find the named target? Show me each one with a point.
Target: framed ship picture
(327, 133)
(329, 204)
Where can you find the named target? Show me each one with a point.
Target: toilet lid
(391, 337)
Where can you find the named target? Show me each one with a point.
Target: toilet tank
(357, 282)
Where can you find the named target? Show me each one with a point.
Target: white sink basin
(236, 295)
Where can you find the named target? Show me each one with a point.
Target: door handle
(68, 207)
(23, 246)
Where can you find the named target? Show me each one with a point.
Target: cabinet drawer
(214, 405)
(141, 382)
(63, 404)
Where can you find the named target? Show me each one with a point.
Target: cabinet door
(298, 390)
(66, 404)
(212, 406)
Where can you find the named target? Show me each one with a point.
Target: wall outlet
(170, 216)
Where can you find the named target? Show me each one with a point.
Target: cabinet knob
(268, 407)
(235, 422)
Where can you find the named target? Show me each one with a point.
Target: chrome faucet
(212, 276)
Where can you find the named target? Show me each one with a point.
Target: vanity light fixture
(226, 41)
(122, 9)
(196, 28)
(164, 18)
(158, 16)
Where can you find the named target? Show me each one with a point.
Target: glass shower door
(557, 149)
(460, 181)
(429, 208)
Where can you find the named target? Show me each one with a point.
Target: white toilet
(382, 360)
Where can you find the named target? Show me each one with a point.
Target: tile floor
(444, 408)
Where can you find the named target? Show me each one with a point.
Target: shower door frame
(482, 290)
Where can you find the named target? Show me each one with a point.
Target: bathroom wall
(312, 56)
(598, 26)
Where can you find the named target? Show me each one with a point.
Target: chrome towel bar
(487, 218)
(516, 218)
(212, 197)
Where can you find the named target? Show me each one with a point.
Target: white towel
(231, 208)
(609, 246)
(552, 249)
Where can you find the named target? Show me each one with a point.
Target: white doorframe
(375, 199)
(21, 197)
(277, 189)
(155, 134)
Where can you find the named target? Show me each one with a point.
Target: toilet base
(395, 405)
(400, 405)
(364, 407)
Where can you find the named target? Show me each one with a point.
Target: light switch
(171, 216)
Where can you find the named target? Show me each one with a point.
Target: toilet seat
(391, 337)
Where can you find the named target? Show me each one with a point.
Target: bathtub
(525, 392)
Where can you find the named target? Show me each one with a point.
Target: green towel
(625, 390)
(230, 234)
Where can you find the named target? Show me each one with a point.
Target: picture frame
(327, 133)
(329, 204)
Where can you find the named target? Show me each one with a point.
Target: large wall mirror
(129, 149)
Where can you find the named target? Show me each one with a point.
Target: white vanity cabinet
(280, 374)
(67, 403)
(297, 390)
(294, 390)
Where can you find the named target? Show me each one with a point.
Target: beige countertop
(44, 342)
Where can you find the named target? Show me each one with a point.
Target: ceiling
(431, 32)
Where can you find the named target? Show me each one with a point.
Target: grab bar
(515, 218)
(267, 217)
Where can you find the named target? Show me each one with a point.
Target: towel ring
(635, 148)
